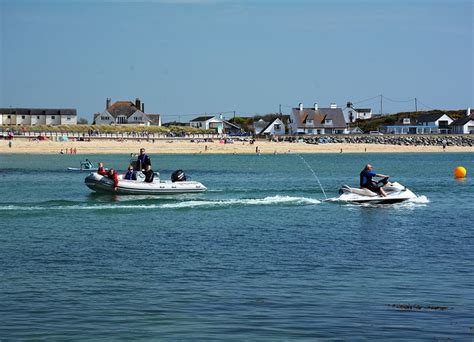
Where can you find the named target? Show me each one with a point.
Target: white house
(126, 112)
(38, 116)
(276, 127)
(317, 120)
(464, 125)
(352, 114)
(212, 122)
(206, 122)
(441, 121)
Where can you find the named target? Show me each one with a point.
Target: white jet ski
(395, 193)
(180, 185)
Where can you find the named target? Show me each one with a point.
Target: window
(37, 117)
(406, 121)
(68, 118)
(309, 122)
(328, 121)
(53, 117)
(23, 117)
(9, 116)
(277, 127)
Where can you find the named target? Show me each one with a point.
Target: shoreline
(238, 147)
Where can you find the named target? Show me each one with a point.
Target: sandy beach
(186, 147)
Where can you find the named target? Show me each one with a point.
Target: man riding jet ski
(370, 191)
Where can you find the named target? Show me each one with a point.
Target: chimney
(333, 106)
(315, 106)
(143, 107)
(137, 103)
(301, 107)
(107, 102)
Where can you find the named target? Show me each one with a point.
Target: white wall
(137, 118)
(105, 118)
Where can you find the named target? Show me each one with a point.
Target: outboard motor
(178, 176)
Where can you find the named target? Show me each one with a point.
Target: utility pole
(280, 110)
(416, 105)
(234, 116)
(381, 104)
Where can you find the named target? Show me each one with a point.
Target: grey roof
(462, 121)
(231, 124)
(202, 118)
(260, 124)
(318, 117)
(39, 111)
(363, 110)
(429, 117)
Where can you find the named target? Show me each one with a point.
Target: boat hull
(103, 184)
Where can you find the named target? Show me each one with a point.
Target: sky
(185, 58)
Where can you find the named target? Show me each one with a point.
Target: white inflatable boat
(104, 184)
(395, 193)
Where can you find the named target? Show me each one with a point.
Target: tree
(82, 121)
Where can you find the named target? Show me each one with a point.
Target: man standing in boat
(366, 180)
(143, 160)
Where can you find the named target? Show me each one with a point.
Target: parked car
(375, 133)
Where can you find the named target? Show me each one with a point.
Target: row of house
(432, 124)
(38, 116)
(308, 121)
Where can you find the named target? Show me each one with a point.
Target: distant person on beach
(114, 176)
(131, 173)
(143, 160)
(149, 174)
(10, 144)
(366, 180)
(101, 169)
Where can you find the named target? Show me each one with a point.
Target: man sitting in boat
(131, 173)
(114, 176)
(366, 180)
(149, 174)
(143, 160)
(101, 169)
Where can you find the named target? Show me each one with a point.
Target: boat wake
(272, 200)
(146, 205)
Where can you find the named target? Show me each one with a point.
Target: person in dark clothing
(366, 180)
(149, 174)
(114, 176)
(143, 160)
(131, 174)
(101, 169)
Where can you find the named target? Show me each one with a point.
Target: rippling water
(260, 256)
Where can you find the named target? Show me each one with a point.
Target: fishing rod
(314, 174)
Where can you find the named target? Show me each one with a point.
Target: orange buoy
(460, 172)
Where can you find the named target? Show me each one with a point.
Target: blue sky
(188, 57)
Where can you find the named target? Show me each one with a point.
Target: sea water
(259, 256)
